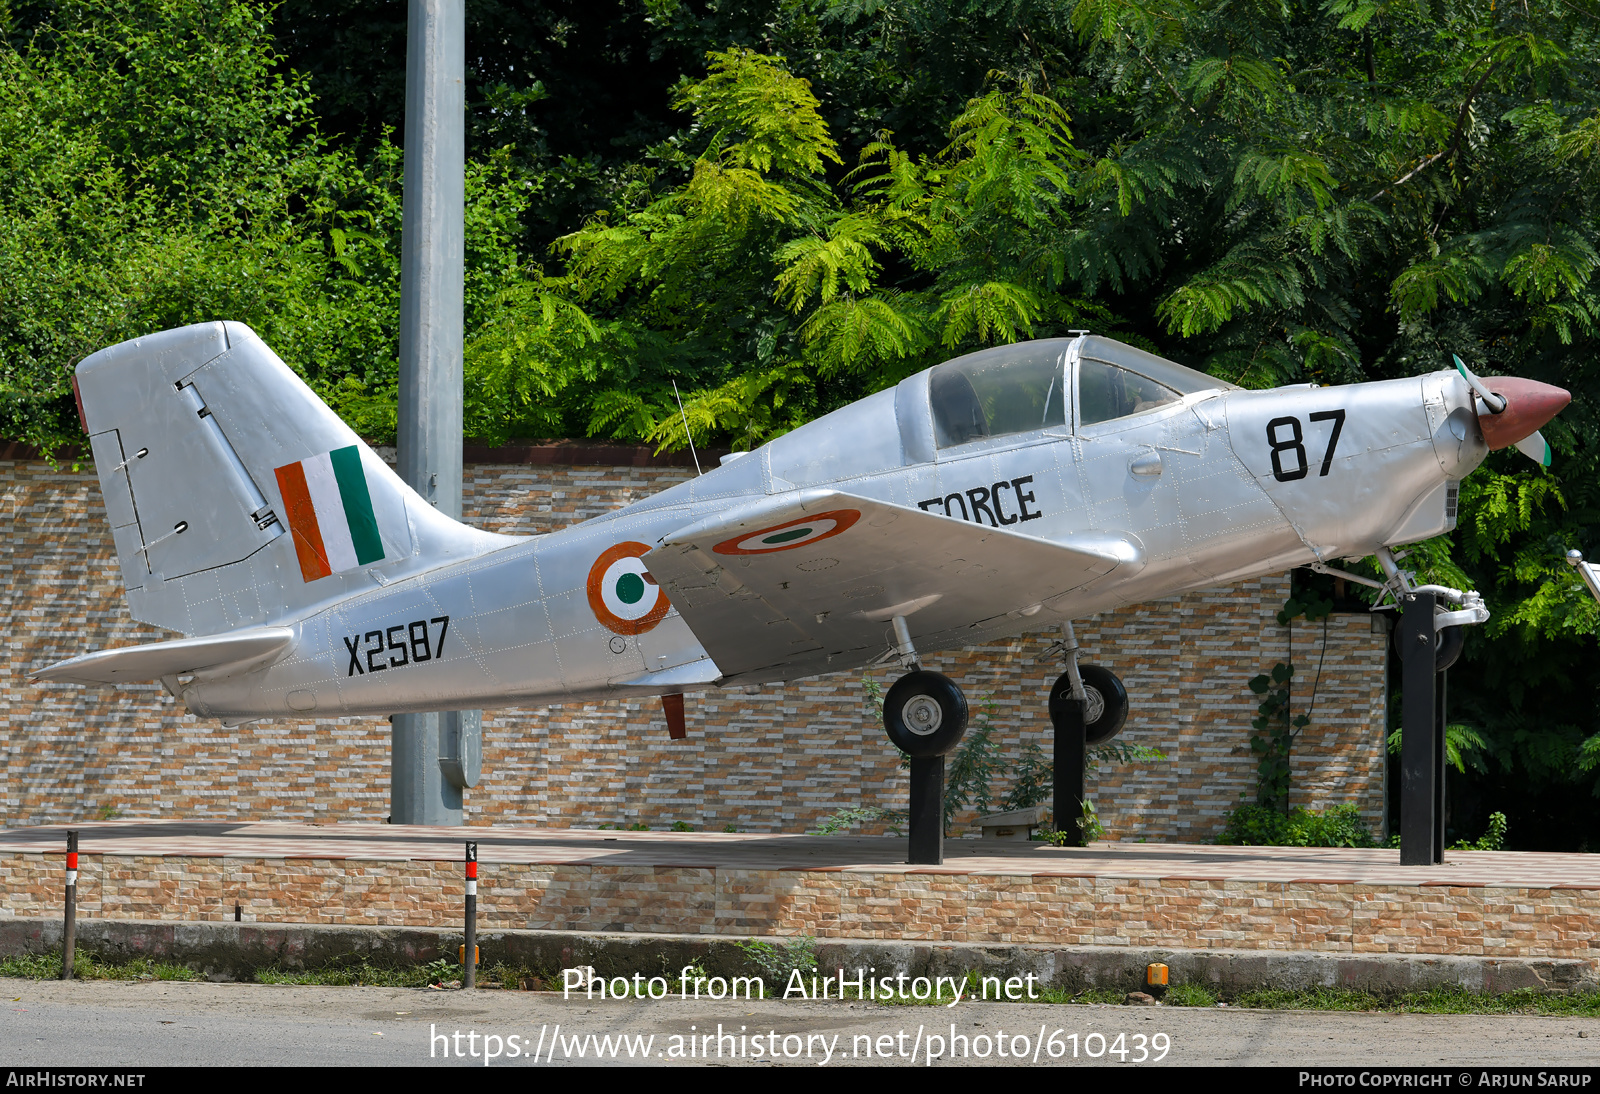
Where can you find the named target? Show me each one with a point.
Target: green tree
(156, 171)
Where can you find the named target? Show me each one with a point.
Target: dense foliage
(780, 205)
(155, 170)
(1267, 826)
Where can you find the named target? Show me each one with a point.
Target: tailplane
(236, 497)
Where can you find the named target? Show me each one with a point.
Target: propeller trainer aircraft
(1009, 489)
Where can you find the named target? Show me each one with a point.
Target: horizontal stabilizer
(241, 649)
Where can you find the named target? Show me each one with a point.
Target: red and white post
(469, 955)
(69, 932)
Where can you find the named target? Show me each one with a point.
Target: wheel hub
(922, 715)
(1095, 707)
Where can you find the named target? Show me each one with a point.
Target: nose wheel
(1088, 707)
(1447, 646)
(1105, 703)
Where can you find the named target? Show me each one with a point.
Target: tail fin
(235, 496)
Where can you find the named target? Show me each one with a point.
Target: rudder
(236, 497)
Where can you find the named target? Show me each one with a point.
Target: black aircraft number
(392, 647)
(990, 502)
(1285, 438)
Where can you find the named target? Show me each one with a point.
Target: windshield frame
(1061, 386)
(1186, 382)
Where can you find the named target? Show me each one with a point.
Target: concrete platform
(1185, 897)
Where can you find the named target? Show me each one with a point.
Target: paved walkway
(866, 854)
(129, 1025)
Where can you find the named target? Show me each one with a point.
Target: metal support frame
(1070, 748)
(1422, 753)
(903, 646)
(430, 759)
(1586, 570)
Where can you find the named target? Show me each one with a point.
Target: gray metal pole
(431, 272)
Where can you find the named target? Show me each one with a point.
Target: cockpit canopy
(1028, 386)
(1056, 384)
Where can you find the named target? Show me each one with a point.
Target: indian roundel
(622, 594)
(786, 537)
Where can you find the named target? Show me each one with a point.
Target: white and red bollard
(469, 952)
(69, 932)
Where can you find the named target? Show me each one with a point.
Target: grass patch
(363, 973)
(1310, 999)
(1440, 1001)
(86, 966)
(1435, 1001)
(1456, 1001)
(495, 975)
(1188, 995)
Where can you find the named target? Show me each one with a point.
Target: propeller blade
(1536, 448)
(1490, 399)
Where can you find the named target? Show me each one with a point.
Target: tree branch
(1455, 141)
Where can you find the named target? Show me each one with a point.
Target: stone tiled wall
(933, 905)
(775, 760)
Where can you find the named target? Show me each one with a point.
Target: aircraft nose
(1529, 404)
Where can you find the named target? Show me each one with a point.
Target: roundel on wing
(622, 594)
(786, 537)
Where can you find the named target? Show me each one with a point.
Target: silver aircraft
(1003, 491)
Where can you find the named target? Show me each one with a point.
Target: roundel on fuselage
(622, 594)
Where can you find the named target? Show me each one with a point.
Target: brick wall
(1502, 921)
(776, 759)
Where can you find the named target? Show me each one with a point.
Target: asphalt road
(147, 1023)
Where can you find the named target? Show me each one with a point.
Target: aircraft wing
(239, 649)
(777, 588)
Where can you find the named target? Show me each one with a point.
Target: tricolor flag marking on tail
(330, 513)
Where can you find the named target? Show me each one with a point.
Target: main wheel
(1107, 709)
(1447, 646)
(925, 714)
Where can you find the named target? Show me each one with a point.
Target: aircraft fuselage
(1215, 487)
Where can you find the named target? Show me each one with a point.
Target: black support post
(1421, 738)
(927, 811)
(1070, 770)
(1441, 760)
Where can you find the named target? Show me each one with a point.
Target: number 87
(1295, 443)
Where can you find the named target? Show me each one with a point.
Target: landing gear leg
(1088, 707)
(1068, 715)
(925, 715)
(1425, 625)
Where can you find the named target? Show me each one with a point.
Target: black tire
(1447, 646)
(925, 714)
(1108, 703)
